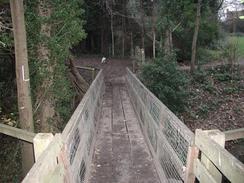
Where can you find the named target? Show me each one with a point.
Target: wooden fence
(214, 161)
(179, 155)
(169, 139)
(66, 157)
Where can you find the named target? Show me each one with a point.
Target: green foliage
(206, 55)
(180, 17)
(66, 23)
(199, 76)
(230, 50)
(210, 89)
(166, 82)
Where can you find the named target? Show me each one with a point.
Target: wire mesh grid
(168, 136)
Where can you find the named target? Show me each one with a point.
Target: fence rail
(234, 134)
(219, 160)
(17, 133)
(168, 137)
(67, 156)
(176, 149)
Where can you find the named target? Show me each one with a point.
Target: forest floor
(216, 101)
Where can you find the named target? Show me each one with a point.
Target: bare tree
(195, 36)
(109, 7)
(142, 16)
(154, 17)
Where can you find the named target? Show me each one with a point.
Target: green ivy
(66, 22)
(166, 82)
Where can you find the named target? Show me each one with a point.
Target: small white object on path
(103, 60)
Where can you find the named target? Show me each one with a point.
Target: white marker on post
(23, 74)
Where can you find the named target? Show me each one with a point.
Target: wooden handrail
(17, 133)
(86, 68)
(224, 161)
(234, 134)
(93, 69)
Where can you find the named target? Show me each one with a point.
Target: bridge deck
(121, 153)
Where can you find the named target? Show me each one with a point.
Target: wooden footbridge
(121, 133)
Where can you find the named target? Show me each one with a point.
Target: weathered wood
(47, 163)
(80, 91)
(219, 138)
(193, 153)
(93, 74)
(234, 134)
(56, 176)
(202, 173)
(41, 142)
(22, 80)
(168, 153)
(85, 68)
(17, 133)
(67, 156)
(80, 80)
(231, 167)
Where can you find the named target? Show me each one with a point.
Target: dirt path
(212, 65)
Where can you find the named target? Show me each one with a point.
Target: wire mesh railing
(168, 137)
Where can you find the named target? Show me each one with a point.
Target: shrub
(166, 82)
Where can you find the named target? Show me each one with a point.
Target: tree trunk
(102, 42)
(123, 28)
(46, 109)
(102, 36)
(131, 45)
(195, 36)
(80, 80)
(112, 33)
(154, 29)
(154, 44)
(123, 37)
(143, 26)
(234, 21)
(168, 44)
(23, 81)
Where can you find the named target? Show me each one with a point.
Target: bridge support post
(41, 141)
(218, 137)
(193, 153)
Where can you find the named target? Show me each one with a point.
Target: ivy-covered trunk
(46, 110)
(53, 28)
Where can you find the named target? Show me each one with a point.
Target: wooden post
(41, 141)
(218, 137)
(93, 74)
(192, 155)
(225, 162)
(23, 81)
(143, 55)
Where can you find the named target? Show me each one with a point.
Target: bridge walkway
(121, 153)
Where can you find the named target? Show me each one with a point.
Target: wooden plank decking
(121, 153)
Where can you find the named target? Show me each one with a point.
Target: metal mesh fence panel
(167, 136)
